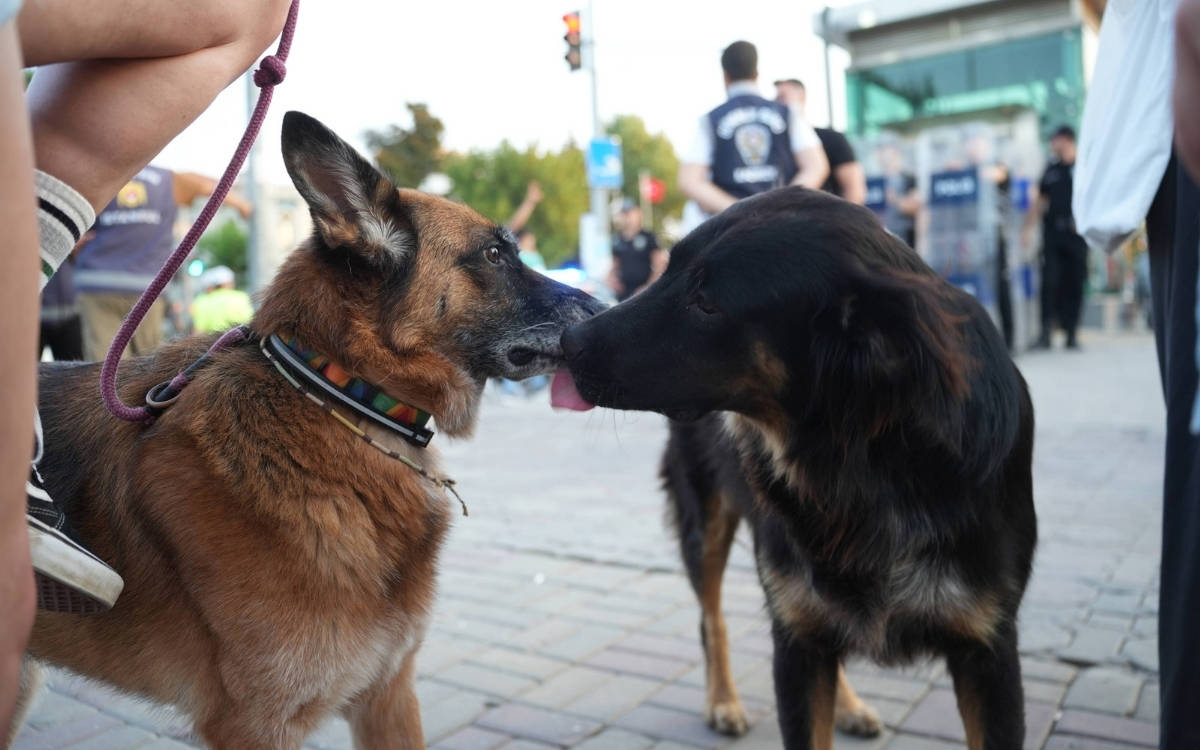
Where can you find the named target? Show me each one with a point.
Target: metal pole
(599, 195)
(828, 77)
(255, 262)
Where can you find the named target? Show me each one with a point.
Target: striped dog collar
(353, 393)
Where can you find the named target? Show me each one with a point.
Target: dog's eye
(704, 307)
(493, 255)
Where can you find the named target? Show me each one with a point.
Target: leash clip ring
(161, 396)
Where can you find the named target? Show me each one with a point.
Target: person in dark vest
(637, 258)
(1064, 252)
(846, 178)
(749, 144)
(61, 328)
(134, 234)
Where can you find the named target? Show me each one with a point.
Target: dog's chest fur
(864, 584)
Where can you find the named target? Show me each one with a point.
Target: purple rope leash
(270, 73)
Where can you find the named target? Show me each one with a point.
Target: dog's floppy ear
(353, 206)
(906, 341)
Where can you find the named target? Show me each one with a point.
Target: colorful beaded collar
(353, 393)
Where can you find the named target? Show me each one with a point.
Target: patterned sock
(63, 216)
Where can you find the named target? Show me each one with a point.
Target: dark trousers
(1173, 228)
(64, 337)
(1004, 292)
(1064, 271)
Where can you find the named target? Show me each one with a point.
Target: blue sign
(957, 186)
(604, 164)
(1019, 193)
(972, 284)
(877, 194)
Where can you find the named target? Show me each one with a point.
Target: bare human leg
(18, 331)
(124, 77)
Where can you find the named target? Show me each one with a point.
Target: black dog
(881, 427)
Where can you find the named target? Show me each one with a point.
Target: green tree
(409, 154)
(642, 151)
(224, 246)
(493, 183)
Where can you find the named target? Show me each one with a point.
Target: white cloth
(700, 149)
(1125, 142)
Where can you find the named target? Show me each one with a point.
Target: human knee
(240, 32)
(259, 22)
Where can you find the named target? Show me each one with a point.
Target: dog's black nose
(572, 342)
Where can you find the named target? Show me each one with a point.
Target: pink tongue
(564, 394)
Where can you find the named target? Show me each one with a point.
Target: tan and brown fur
(723, 708)
(278, 569)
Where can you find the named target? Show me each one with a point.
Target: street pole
(599, 195)
(828, 77)
(255, 262)
(644, 199)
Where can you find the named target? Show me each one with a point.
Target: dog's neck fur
(418, 375)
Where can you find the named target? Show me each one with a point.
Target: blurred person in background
(994, 173)
(1064, 253)
(527, 250)
(61, 326)
(904, 201)
(846, 178)
(134, 235)
(748, 144)
(637, 258)
(221, 306)
(533, 196)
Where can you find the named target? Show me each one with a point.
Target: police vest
(133, 236)
(752, 149)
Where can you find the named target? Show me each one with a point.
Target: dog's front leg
(387, 716)
(987, 683)
(806, 674)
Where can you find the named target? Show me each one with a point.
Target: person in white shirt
(748, 144)
(1139, 160)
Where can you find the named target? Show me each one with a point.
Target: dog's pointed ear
(353, 206)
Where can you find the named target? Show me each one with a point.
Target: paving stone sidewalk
(564, 620)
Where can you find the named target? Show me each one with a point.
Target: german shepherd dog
(883, 434)
(279, 569)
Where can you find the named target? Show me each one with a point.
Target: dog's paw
(727, 718)
(860, 721)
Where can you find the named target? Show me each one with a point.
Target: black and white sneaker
(69, 577)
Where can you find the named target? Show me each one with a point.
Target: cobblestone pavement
(564, 620)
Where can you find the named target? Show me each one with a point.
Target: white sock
(63, 216)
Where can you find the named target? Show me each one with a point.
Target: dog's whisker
(535, 326)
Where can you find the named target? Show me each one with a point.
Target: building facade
(958, 98)
(928, 62)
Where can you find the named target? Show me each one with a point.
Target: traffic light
(574, 56)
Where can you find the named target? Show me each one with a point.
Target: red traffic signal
(652, 189)
(574, 40)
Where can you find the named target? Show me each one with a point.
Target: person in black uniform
(1064, 252)
(637, 258)
(748, 144)
(846, 178)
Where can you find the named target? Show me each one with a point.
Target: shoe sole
(69, 579)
